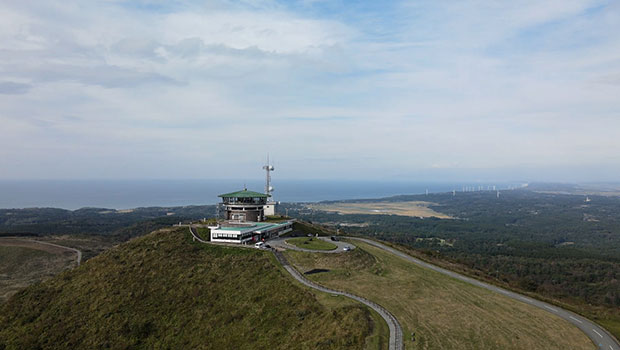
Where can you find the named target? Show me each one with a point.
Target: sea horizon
(127, 194)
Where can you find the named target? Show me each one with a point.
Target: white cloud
(438, 85)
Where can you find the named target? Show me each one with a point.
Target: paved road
(78, 252)
(195, 235)
(599, 336)
(281, 242)
(396, 332)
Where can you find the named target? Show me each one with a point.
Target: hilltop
(164, 291)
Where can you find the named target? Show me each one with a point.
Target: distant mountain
(552, 187)
(603, 189)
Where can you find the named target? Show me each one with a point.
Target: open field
(443, 312)
(89, 245)
(311, 243)
(410, 208)
(24, 262)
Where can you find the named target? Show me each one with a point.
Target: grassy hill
(444, 313)
(162, 291)
(311, 243)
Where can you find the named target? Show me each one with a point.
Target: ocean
(125, 194)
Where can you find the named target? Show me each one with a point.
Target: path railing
(396, 332)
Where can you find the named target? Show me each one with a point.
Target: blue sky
(404, 90)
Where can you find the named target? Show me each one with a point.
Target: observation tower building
(242, 206)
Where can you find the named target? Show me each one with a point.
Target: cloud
(611, 79)
(189, 84)
(12, 88)
(322, 119)
(103, 75)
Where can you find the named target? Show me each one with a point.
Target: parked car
(259, 245)
(334, 238)
(346, 249)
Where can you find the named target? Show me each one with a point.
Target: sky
(485, 90)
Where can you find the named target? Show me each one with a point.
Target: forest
(117, 224)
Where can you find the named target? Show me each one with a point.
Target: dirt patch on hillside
(411, 208)
(30, 244)
(24, 262)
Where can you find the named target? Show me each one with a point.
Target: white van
(259, 245)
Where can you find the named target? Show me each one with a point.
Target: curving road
(281, 242)
(396, 332)
(78, 252)
(599, 336)
(195, 236)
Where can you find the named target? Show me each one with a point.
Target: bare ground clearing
(410, 208)
(24, 262)
(30, 244)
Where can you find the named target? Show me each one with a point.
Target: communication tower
(270, 207)
(268, 169)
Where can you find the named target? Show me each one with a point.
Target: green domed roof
(244, 194)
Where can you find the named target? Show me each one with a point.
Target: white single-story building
(244, 233)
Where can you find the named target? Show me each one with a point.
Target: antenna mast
(268, 169)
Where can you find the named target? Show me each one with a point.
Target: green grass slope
(311, 243)
(162, 291)
(444, 313)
